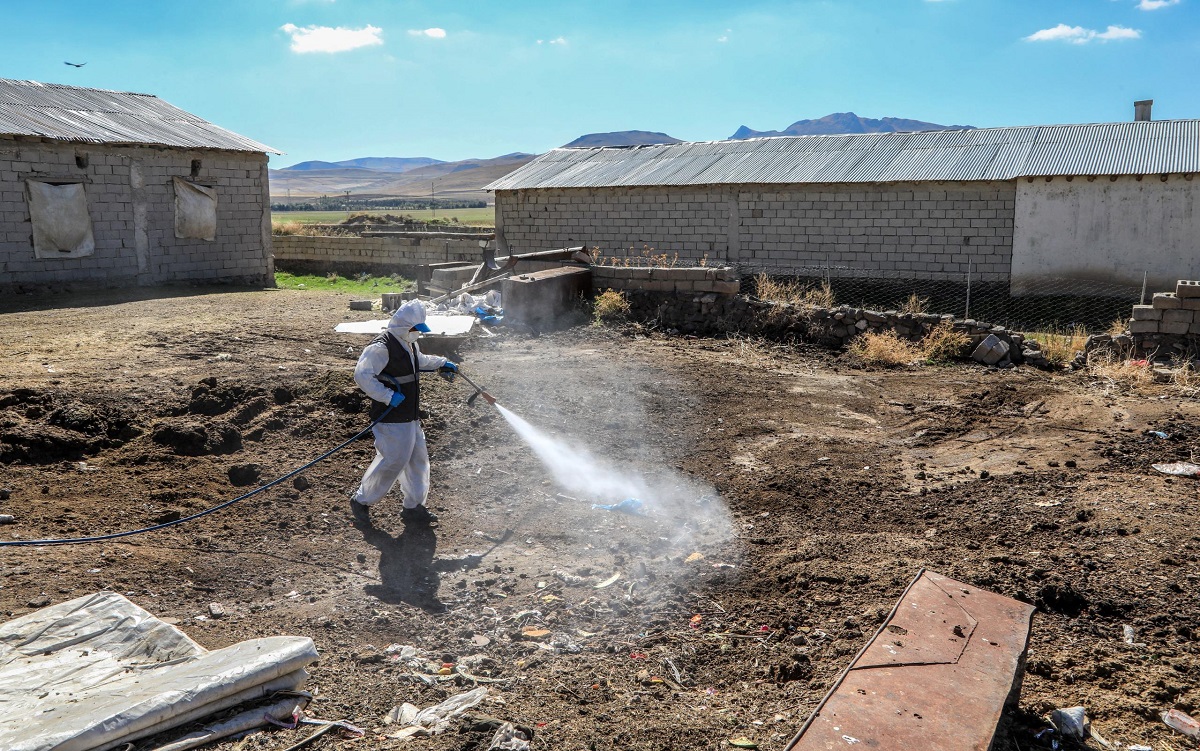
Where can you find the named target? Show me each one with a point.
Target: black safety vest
(400, 373)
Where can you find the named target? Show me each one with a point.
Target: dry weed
(1118, 327)
(1060, 345)
(1124, 373)
(943, 343)
(610, 306)
(915, 305)
(794, 291)
(884, 348)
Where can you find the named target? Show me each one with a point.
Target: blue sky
(451, 79)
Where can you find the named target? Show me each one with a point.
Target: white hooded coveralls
(400, 451)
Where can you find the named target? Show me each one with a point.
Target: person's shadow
(409, 569)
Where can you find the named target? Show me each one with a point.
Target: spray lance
(450, 373)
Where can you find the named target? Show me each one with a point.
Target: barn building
(109, 188)
(1110, 203)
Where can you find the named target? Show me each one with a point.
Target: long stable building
(1105, 202)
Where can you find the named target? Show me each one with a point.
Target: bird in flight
(74, 65)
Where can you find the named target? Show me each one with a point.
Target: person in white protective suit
(388, 370)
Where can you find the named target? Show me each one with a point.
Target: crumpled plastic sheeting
(62, 226)
(432, 720)
(98, 671)
(466, 303)
(195, 211)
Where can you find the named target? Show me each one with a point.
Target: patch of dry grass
(794, 291)
(1118, 327)
(943, 343)
(884, 348)
(1059, 345)
(915, 305)
(610, 306)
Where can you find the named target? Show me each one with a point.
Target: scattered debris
(742, 743)
(1185, 724)
(569, 579)
(697, 556)
(216, 610)
(1179, 469)
(432, 720)
(7, 519)
(1130, 636)
(609, 581)
(508, 738)
(1071, 722)
(627, 506)
(285, 709)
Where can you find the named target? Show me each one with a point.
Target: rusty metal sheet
(943, 687)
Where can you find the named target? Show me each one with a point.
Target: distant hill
(462, 179)
(845, 122)
(620, 138)
(377, 163)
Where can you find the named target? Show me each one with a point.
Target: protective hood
(409, 315)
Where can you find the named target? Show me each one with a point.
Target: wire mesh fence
(1036, 304)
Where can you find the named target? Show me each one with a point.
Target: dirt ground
(831, 486)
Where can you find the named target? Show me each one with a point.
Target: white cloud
(434, 33)
(1080, 35)
(331, 39)
(1156, 4)
(724, 37)
(561, 41)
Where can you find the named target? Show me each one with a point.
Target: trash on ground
(99, 671)
(609, 581)
(569, 579)
(1129, 634)
(742, 743)
(627, 506)
(508, 738)
(7, 519)
(432, 720)
(697, 556)
(1157, 434)
(1179, 469)
(1071, 722)
(1185, 724)
(274, 714)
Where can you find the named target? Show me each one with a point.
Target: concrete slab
(937, 675)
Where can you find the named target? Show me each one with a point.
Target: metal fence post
(967, 310)
(1145, 275)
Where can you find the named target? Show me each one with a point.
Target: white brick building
(104, 188)
(1106, 202)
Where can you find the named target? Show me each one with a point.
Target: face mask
(409, 337)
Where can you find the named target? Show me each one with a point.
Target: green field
(485, 217)
(362, 284)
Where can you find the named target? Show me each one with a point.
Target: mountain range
(421, 177)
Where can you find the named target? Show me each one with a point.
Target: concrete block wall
(900, 230)
(393, 250)
(131, 201)
(1170, 323)
(696, 280)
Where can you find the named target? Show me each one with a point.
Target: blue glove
(397, 397)
(448, 370)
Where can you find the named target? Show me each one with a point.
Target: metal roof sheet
(72, 113)
(1129, 148)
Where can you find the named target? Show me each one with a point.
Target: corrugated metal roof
(1130, 148)
(72, 113)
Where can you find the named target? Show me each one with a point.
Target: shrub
(915, 305)
(1059, 345)
(944, 343)
(1117, 327)
(793, 291)
(610, 306)
(884, 348)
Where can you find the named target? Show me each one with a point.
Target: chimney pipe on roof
(1141, 109)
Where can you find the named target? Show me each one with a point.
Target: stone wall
(908, 230)
(375, 254)
(130, 198)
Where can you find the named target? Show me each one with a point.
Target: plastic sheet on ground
(432, 720)
(439, 325)
(466, 304)
(98, 671)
